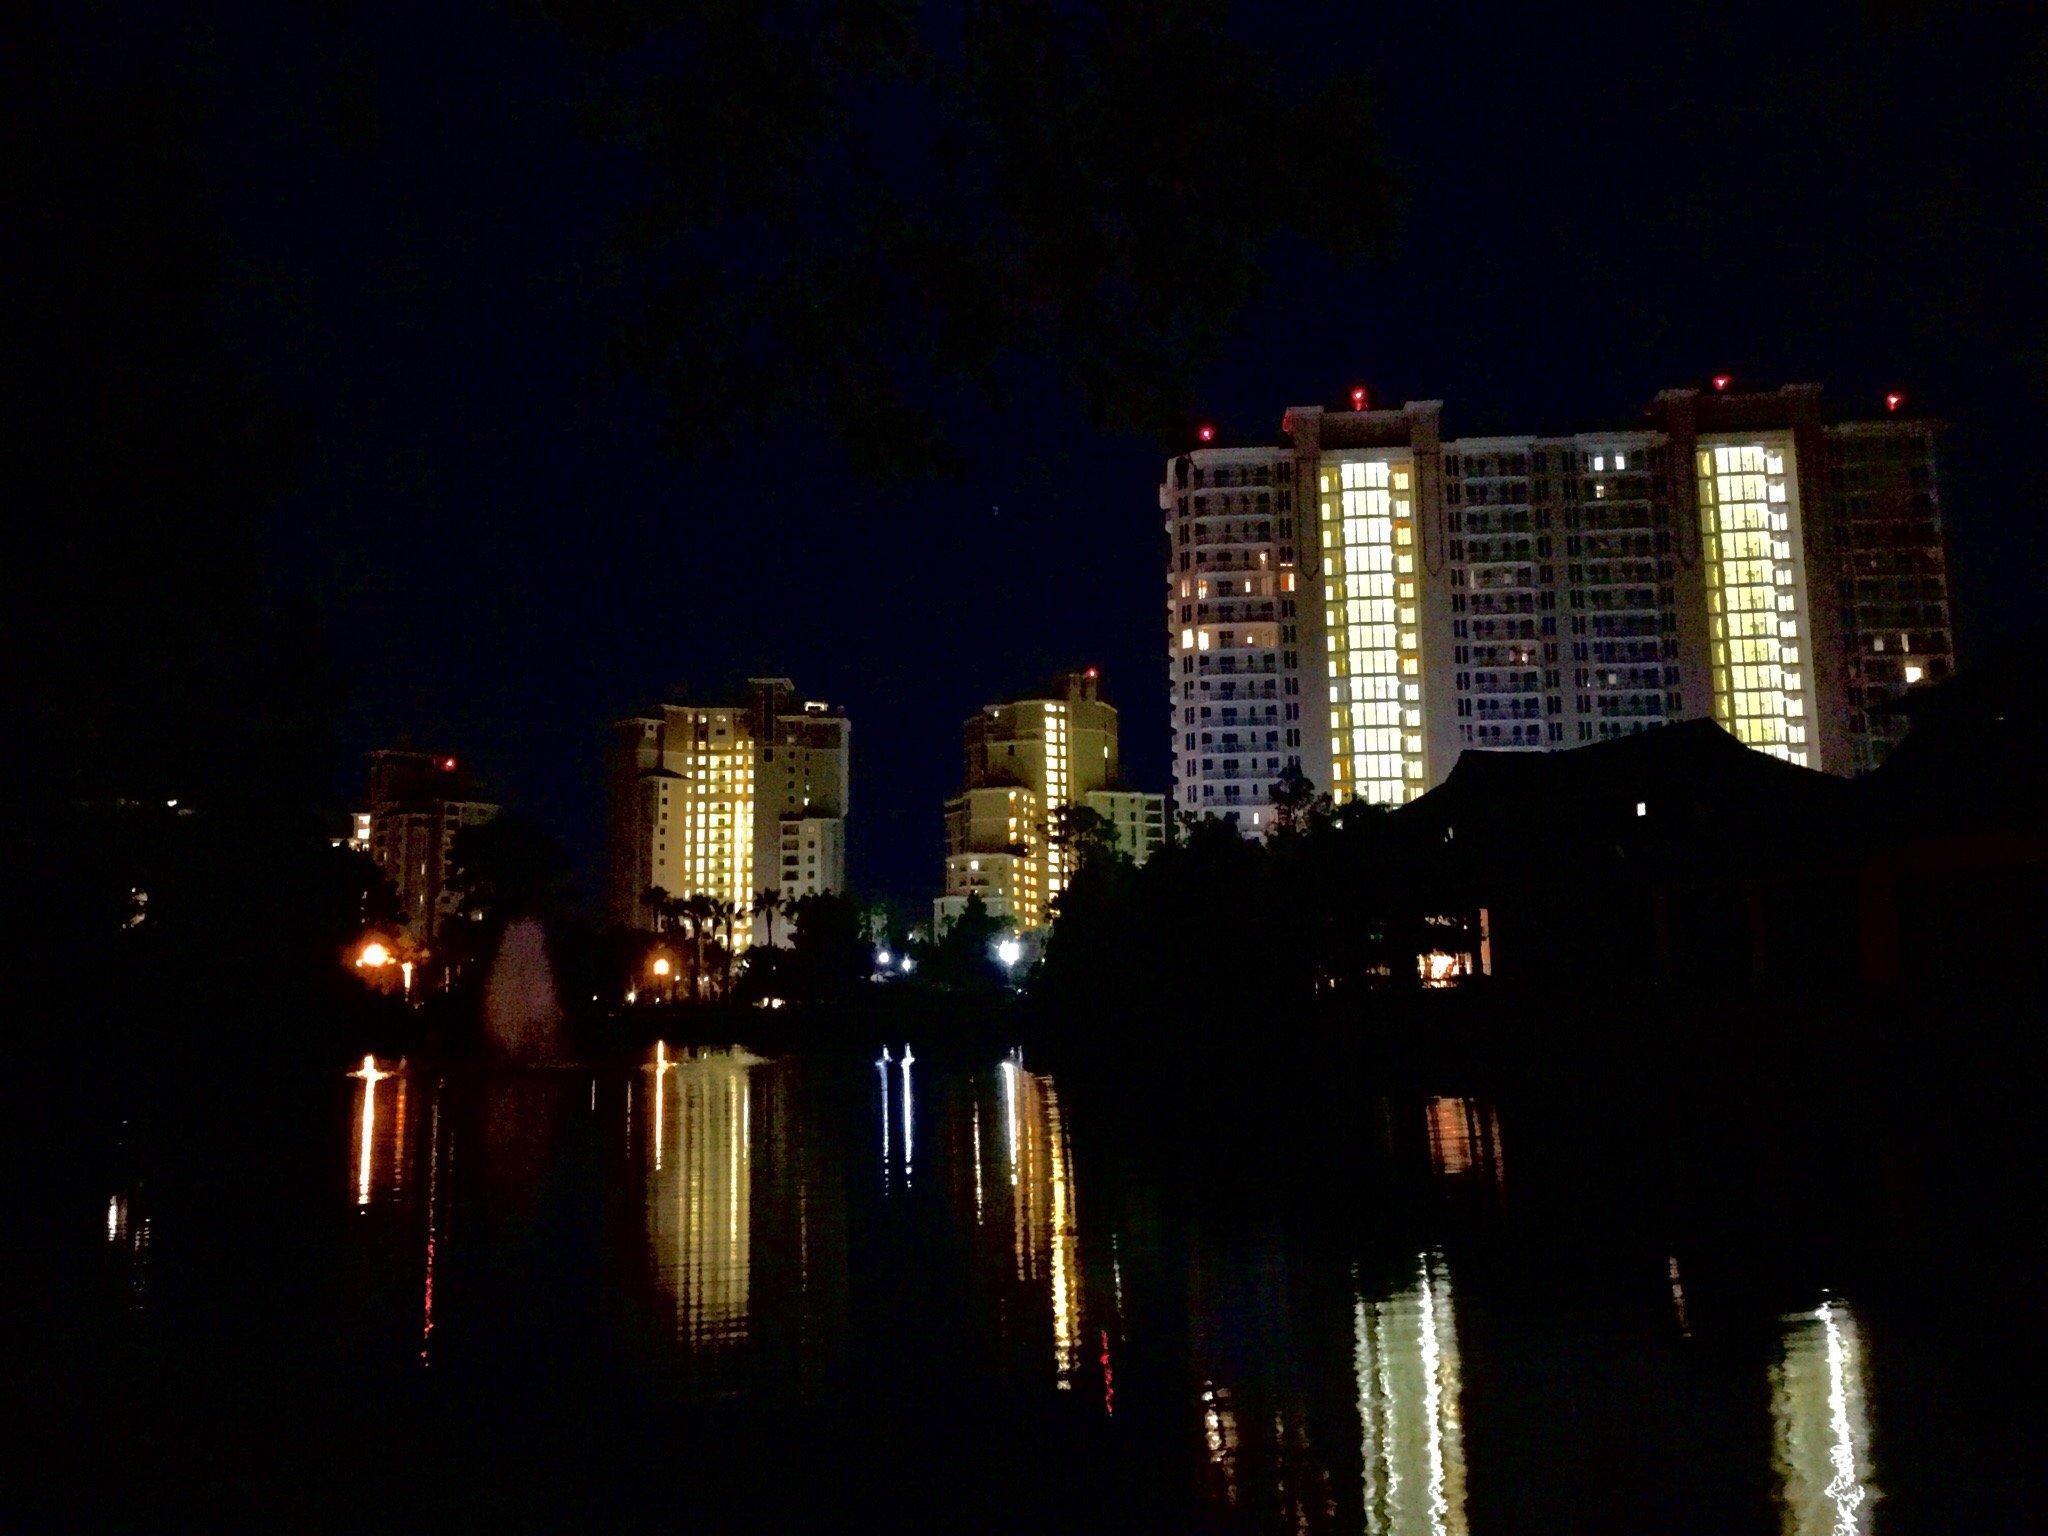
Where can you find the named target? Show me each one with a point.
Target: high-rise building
(417, 802)
(728, 800)
(1028, 761)
(1366, 599)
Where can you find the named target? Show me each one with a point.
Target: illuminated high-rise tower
(1028, 762)
(1365, 600)
(728, 800)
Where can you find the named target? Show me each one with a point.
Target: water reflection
(742, 1245)
(1821, 1425)
(433, 1229)
(1044, 1227)
(1464, 1138)
(700, 1198)
(380, 1127)
(1410, 1406)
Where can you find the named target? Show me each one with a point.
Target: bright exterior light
(660, 966)
(1723, 380)
(374, 955)
(1009, 951)
(448, 764)
(1642, 807)
(1894, 400)
(1358, 397)
(1206, 433)
(884, 959)
(908, 965)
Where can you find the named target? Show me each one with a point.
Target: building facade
(1027, 763)
(727, 801)
(1366, 599)
(1134, 818)
(417, 802)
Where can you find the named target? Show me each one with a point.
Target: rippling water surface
(910, 1292)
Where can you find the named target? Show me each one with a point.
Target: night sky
(504, 530)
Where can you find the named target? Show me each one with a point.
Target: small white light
(883, 958)
(1642, 807)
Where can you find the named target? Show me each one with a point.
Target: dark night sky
(421, 215)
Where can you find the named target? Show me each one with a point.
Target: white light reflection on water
(1821, 1425)
(1410, 1407)
(908, 1133)
(1010, 1103)
(882, 1072)
(978, 1200)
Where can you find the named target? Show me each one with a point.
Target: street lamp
(1009, 951)
(374, 955)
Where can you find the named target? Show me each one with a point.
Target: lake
(906, 1288)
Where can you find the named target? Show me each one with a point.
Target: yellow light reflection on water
(1821, 1425)
(371, 1076)
(661, 1066)
(699, 1207)
(1410, 1407)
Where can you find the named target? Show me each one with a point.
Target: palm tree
(726, 913)
(701, 913)
(768, 904)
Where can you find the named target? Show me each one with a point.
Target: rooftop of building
(1722, 404)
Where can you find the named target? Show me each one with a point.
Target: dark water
(709, 1290)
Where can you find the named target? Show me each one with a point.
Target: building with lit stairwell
(1027, 762)
(417, 802)
(1365, 599)
(727, 800)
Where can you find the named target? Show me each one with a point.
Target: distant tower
(1028, 761)
(727, 800)
(417, 802)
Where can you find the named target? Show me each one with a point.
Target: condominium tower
(1027, 762)
(417, 802)
(727, 800)
(1365, 599)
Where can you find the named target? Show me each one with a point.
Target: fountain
(521, 1014)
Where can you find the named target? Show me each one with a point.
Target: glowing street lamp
(1009, 951)
(374, 956)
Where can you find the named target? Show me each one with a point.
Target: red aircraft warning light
(447, 765)
(1723, 380)
(1206, 432)
(1358, 397)
(1894, 400)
